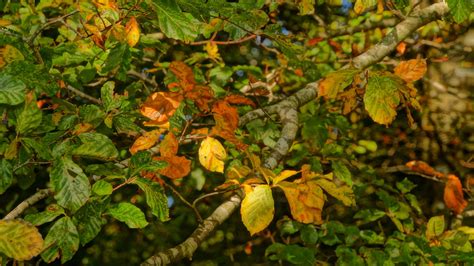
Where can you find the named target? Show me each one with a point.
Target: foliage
(125, 122)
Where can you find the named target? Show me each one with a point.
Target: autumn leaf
(335, 82)
(212, 155)
(257, 208)
(201, 96)
(159, 107)
(169, 145)
(227, 121)
(184, 74)
(239, 99)
(133, 32)
(424, 168)
(212, 50)
(285, 174)
(361, 5)
(146, 141)
(382, 97)
(411, 70)
(178, 166)
(342, 193)
(306, 200)
(453, 195)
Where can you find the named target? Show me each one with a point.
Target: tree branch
(39, 195)
(83, 94)
(286, 109)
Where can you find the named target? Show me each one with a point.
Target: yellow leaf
(342, 193)
(335, 82)
(133, 32)
(212, 155)
(257, 209)
(361, 5)
(306, 200)
(411, 70)
(284, 175)
(146, 141)
(212, 50)
(19, 240)
(435, 227)
(9, 54)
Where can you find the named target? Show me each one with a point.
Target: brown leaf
(453, 195)
(169, 145)
(424, 168)
(178, 166)
(146, 141)
(160, 106)
(227, 121)
(201, 95)
(133, 32)
(239, 99)
(411, 70)
(184, 74)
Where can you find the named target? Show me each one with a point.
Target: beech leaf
(335, 82)
(306, 200)
(257, 209)
(382, 97)
(212, 155)
(453, 195)
(133, 32)
(146, 141)
(19, 240)
(411, 70)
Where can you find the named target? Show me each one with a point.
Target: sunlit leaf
(19, 240)
(284, 175)
(97, 146)
(361, 5)
(335, 82)
(133, 32)
(178, 166)
(257, 209)
(424, 168)
(212, 155)
(411, 70)
(382, 97)
(169, 145)
(453, 195)
(212, 50)
(435, 227)
(460, 9)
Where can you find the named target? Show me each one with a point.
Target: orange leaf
(201, 95)
(184, 74)
(453, 195)
(160, 106)
(178, 166)
(424, 168)
(306, 201)
(227, 121)
(133, 32)
(169, 146)
(239, 99)
(146, 141)
(411, 70)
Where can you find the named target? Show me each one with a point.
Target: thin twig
(244, 39)
(83, 94)
(47, 24)
(39, 195)
(196, 212)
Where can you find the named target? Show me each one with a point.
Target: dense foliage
(131, 127)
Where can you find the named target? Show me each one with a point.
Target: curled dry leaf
(227, 121)
(159, 107)
(411, 70)
(133, 32)
(453, 195)
(424, 168)
(239, 99)
(178, 166)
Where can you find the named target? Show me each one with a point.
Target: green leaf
(102, 188)
(19, 240)
(142, 161)
(29, 117)
(71, 186)
(414, 203)
(435, 227)
(382, 97)
(124, 124)
(115, 57)
(371, 237)
(34, 76)
(91, 114)
(155, 198)
(6, 175)
(51, 213)
(293, 254)
(107, 96)
(405, 186)
(460, 9)
(342, 172)
(306, 7)
(129, 214)
(257, 209)
(244, 23)
(96, 146)
(336, 82)
(43, 150)
(369, 215)
(173, 22)
(342, 193)
(314, 131)
(309, 234)
(62, 236)
(12, 90)
(89, 221)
